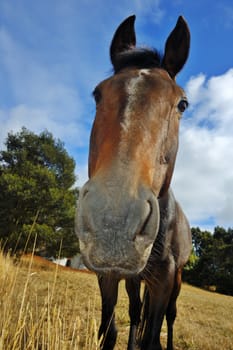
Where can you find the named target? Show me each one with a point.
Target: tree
(213, 265)
(224, 259)
(37, 194)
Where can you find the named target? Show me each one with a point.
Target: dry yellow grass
(43, 307)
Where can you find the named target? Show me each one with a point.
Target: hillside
(43, 306)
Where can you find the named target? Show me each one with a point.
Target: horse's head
(133, 148)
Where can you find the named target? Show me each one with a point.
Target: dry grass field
(46, 307)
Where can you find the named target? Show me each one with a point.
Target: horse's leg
(133, 290)
(107, 331)
(151, 336)
(171, 310)
(159, 296)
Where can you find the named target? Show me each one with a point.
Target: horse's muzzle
(116, 230)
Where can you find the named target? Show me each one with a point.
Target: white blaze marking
(132, 88)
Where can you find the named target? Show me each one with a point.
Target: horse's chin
(116, 270)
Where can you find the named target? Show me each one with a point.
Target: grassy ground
(43, 307)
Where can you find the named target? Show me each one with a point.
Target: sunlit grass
(46, 307)
(42, 308)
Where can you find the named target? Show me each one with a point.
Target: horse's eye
(182, 105)
(97, 95)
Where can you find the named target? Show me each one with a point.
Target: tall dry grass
(39, 309)
(45, 307)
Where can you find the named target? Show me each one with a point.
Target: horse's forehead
(134, 82)
(141, 81)
(146, 85)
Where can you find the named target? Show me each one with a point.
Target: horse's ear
(124, 38)
(177, 48)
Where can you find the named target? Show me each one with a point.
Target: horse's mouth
(116, 270)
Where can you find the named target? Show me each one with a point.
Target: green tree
(201, 273)
(213, 261)
(37, 194)
(224, 259)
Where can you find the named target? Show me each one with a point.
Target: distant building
(75, 262)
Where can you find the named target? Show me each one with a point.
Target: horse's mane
(138, 58)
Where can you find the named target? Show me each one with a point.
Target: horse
(128, 222)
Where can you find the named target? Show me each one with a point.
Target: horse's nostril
(143, 228)
(151, 207)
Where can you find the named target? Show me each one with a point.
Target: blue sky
(53, 53)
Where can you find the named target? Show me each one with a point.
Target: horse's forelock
(138, 58)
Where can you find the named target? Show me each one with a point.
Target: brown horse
(128, 221)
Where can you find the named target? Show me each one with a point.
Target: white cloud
(195, 89)
(203, 179)
(39, 119)
(40, 98)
